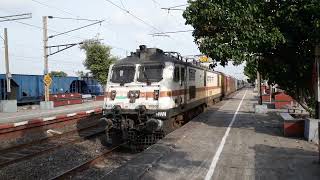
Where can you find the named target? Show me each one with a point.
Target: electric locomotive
(151, 92)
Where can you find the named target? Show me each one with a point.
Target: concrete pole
(6, 52)
(270, 92)
(45, 54)
(259, 88)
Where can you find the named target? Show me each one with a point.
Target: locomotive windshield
(122, 74)
(150, 73)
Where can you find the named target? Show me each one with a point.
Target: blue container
(30, 88)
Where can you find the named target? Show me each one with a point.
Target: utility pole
(259, 88)
(6, 51)
(9, 105)
(259, 83)
(45, 55)
(47, 104)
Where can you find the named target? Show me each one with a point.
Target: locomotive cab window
(122, 74)
(150, 73)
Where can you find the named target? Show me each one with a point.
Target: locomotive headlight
(137, 94)
(156, 94)
(113, 94)
(130, 94)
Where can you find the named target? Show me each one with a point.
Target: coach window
(176, 74)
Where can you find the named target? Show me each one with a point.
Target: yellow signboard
(204, 59)
(47, 80)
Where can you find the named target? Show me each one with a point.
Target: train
(152, 92)
(27, 89)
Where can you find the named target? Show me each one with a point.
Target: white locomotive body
(154, 91)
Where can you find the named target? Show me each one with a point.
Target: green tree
(277, 37)
(232, 30)
(82, 74)
(250, 70)
(58, 74)
(98, 59)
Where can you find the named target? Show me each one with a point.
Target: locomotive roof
(154, 55)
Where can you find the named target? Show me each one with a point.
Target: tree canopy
(277, 37)
(98, 59)
(82, 74)
(58, 74)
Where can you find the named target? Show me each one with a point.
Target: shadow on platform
(275, 163)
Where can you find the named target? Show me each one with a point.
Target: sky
(123, 32)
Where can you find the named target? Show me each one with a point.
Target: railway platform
(28, 125)
(228, 141)
(25, 115)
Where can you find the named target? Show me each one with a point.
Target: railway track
(68, 174)
(26, 151)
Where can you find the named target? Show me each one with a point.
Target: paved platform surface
(24, 115)
(221, 145)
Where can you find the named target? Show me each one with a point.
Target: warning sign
(47, 80)
(204, 59)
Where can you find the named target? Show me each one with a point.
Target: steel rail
(44, 148)
(86, 165)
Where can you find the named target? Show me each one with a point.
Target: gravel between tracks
(111, 162)
(51, 164)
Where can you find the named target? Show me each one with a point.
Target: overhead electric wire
(156, 2)
(175, 7)
(25, 14)
(49, 6)
(122, 4)
(68, 12)
(52, 30)
(75, 29)
(74, 15)
(78, 19)
(136, 17)
(171, 32)
(169, 14)
(49, 29)
(15, 17)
